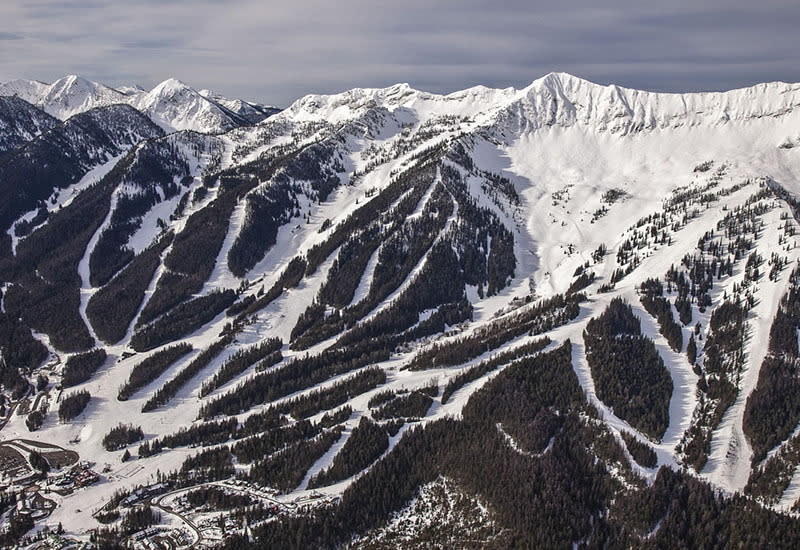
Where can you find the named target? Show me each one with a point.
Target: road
(155, 503)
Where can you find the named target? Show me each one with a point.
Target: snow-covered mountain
(387, 305)
(172, 104)
(65, 97)
(20, 122)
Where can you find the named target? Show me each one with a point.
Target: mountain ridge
(564, 99)
(575, 99)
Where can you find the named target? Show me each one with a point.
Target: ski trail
(792, 493)
(327, 459)
(87, 291)
(730, 458)
(366, 278)
(221, 276)
(365, 283)
(683, 401)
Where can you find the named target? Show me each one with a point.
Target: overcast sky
(275, 52)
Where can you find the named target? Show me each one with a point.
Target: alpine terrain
(559, 316)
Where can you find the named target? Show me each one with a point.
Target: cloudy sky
(274, 52)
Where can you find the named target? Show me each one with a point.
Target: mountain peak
(560, 76)
(72, 84)
(72, 79)
(170, 86)
(564, 81)
(400, 87)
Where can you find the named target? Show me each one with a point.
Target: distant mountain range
(172, 104)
